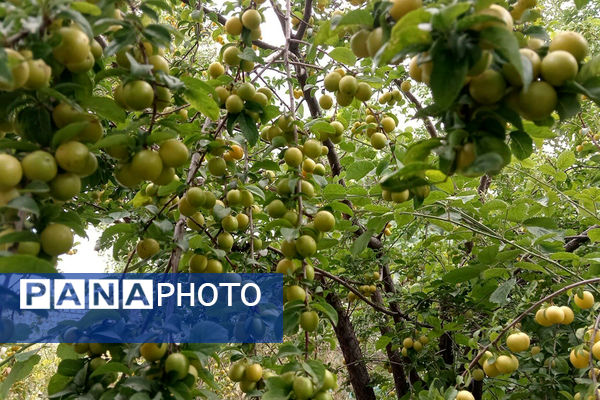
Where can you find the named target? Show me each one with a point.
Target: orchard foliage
(345, 158)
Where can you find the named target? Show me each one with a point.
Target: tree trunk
(357, 370)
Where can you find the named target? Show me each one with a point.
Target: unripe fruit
(295, 292)
(402, 7)
(332, 81)
(243, 221)
(153, 351)
(251, 19)
(234, 197)
(518, 342)
(233, 26)
(234, 104)
(554, 314)
(417, 345)
(247, 386)
(19, 68)
(73, 47)
(138, 95)
(147, 165)
(540, 318)
(358, 43)
(287, 266)
(72, 156)
(348, 85)
(196, 221)
(253, 373)
(303, 388)
(538, 101)
(306, 246)
(535, 350)
(173, 153)
(374, 41)
(246, 91)
(580, 358)
(217, 166)
(216, 69)
(126, 177)
(214, 267)
(498, 12)
(388, 124)
(39, 165)
(558, 67)
(465, 394)
(363, 91)
(569, 316)
(231, 56)
(490, 369)
(159, 63)
(56, 239)
(408, 342)
(146, 248)
(178, 365)
(312, 149)
(343, 100)
(229, 223)
(11, 171)
(487, 88)
(326, 102)
(293, 157)
(65, 186)
(511, 74)
(414, 70)
(378, 140)
(324, 221)
(39, 74)
(309, 321)
(478, 374)
(276, 209)
(572, 42)
(405, 86)
(225, 240)
(236, 371)
(585, 302)
(185, 208)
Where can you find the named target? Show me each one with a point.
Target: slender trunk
(357, 370)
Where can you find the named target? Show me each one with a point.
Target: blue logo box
(141, 308)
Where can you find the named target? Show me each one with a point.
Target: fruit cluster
(346, 88)
(415, 344)
(252, 376)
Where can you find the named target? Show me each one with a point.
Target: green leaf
(361, 242)
(288, 349)
(17, 237)
(594, 235)
(326, 308)
(158, 33)
(277, 389)
(105, 107)
(359, 169)
(19, 371)
(70, 367)
(500, 295)
(112, 366)
(406, 178)
(355, 17)
(18, 264)
(406, 34)
(448, 76)
(198, 94)
(461, 274)
(420, 150)
(86, 8)
(343, 55)
(113, 140)
(565, 159)
(506, 44)
(382, 342)
(24, 203)
(521, 144)
(68, 132)
(248, 128)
